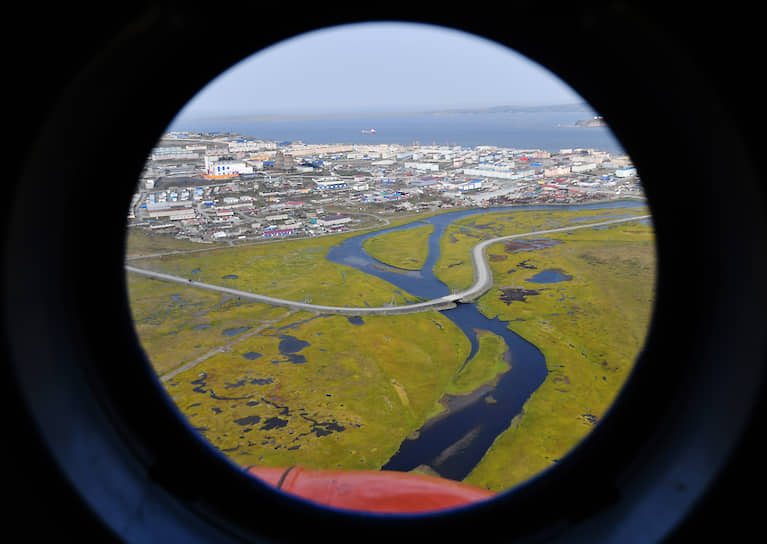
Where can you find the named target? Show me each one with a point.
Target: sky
(379, 68)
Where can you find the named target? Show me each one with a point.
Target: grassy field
(484, 367)
(177, 324)
(277, 387)
(407, 249)
(294, 270)
(590, 329)
(345, 397)
(454, 266)
(290, 269)
(141, 242)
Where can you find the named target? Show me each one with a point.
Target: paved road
(483, 281)
(483, 277)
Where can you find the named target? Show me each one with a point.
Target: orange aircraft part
(371, 490)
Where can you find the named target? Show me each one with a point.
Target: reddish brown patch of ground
(528, 245)
(511, 294)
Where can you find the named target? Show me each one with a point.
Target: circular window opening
(390, 255)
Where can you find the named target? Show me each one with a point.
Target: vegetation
(276, 387)
(293, 388)
(141, 242)
(590, 329)
(294, 270)
(454, 267)
(484, 367)
(177, 324)
(407, 249)
(346, 398)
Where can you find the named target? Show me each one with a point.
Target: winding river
(453, 442)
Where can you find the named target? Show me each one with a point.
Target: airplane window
(391, 253)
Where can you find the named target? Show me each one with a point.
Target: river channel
(453, 442)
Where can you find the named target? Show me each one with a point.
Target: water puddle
(550, 275)
(235, 332)
(289, 347)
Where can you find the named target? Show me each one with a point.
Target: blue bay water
(550, 131)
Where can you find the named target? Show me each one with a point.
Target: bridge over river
(483, 281)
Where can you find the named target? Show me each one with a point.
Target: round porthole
(381, 324)
(112, 435)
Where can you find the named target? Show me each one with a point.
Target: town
(223, 187)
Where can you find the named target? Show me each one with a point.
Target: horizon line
(277, 116)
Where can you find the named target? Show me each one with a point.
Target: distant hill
(255, 117)
(567, 108)
(593, 122)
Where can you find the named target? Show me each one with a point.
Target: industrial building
(223, 167)
(626, 172)
(428, 166)
(333, 221)
(498, 172)
(239, 146)
(278, 232)
(173, 153)
(556, 171)
(582, 167)
(470, 185)
(330, 185)
(173, 213)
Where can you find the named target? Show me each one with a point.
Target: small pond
(550, 275)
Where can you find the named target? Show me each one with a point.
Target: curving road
(483, 281)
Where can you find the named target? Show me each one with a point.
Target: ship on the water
(371, 131)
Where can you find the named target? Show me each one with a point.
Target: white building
(626, 172)
(556, 171)
(226, 167)
(173, 214)
(333, 221)
(428, 166)
(470, 185)
(330, 184)
(251, 145)
(582, 167)
(172, 153)
(498, 172)
(278, 217)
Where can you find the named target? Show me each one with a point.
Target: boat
(371, 131)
